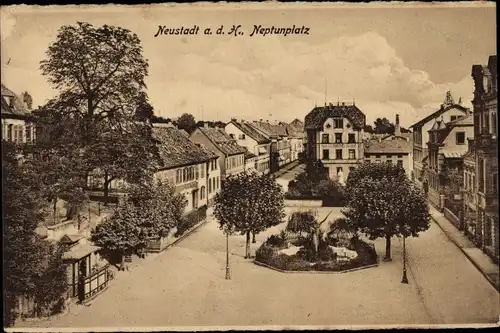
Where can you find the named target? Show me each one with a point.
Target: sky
(387, 60)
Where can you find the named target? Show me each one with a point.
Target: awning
(262, 150)
(453, 154)
(79, 251)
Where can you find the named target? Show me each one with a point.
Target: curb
(258, 263)
(496, 286)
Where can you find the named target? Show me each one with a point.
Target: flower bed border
(258, 263)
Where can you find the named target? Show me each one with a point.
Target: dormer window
(338, 123)
(11, 101)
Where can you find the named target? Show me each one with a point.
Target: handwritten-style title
(235, 30)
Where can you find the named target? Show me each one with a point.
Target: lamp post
(405, 278)
(228, 274)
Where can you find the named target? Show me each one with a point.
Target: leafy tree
(381, 207)
(120, 233)
(186, 122)
(306, 183)
(25, 253)
(368, 129)
(150, 211)
(384, 126)
(376, 171)
(100, 73)
(249, 203)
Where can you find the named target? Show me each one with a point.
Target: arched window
(202, 193)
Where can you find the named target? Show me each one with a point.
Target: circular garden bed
(293, 253)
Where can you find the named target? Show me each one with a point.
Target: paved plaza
(185, 286)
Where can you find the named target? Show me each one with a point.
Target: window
(338, 123)
(495, 183)
(377, 156)
(178, 177)
(481, 176)
(241, 137)
(400, 163)
(213, 183)
(389, 156)
(453, 118)
(231, 135)
(338, 154)
(28, 133)
(351, 138)
(202, 171)
(9, 132)
(389, 161)
(494, 123)
(352, 154)
(400, 156)
(339, 169)
(209, 186)
(202, 193)
(326, 154)
(338, 137)
(197, 172)
(324, 139)
(218, 182)
(460, 136)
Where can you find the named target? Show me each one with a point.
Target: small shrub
(325, 252)
(276, 241)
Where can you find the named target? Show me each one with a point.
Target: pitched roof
(271, 129)
(222, 141)
(176, 149)
(293, 132)
(317, 117)
(17, 108)
(388, 146)
(453, 154)
(249, 155)
(250, 131)
(437, 113)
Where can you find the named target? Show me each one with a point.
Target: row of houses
(456, 160)
(335, 135)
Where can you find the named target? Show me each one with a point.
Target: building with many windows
(446, 149)
(281, 151)
(231, 155)
(449, 111)
(17, 120)
(335, 136)
(254, 141)
(192, 168)
(469, 192)
(395, 149)
(486, 155)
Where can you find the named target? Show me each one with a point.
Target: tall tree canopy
(102, 107)
(26, 255)
(249, 203)
(186, 122)
(385, 205)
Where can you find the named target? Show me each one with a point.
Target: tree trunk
(122, 261)
(55, 210)
(247, 248)
(387, 248)
(106, 188)
(253, 238)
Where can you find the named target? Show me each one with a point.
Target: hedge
(190, 220)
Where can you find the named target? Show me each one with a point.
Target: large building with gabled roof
(335, 136)
(449, 111)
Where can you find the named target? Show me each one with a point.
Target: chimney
(343, 104)
(397, 127)
(267, 121)
(242, 121)
(260, 119)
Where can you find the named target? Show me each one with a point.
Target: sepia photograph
(249, 166)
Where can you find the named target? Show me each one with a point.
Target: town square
(342, 178)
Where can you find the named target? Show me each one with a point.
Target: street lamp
(228, 274)
(405, 278)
